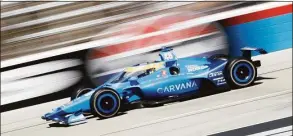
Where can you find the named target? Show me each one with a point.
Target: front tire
(240, 73)
(79, 92)
(105, 103)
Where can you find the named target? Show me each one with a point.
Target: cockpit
(138, 72)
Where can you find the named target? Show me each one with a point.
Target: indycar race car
(157, 82)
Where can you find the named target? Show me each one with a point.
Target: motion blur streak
(35, 43)
(27, 37)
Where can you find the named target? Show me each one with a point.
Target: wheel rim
(107, 103)
(243, 73)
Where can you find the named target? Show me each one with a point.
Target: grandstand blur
(32, 27)
(44, 44)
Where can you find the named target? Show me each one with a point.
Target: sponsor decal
(220, 80)
(192, 68)
(168, 56)
(215, 74)
(176, 87)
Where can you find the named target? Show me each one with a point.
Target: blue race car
(157, 83)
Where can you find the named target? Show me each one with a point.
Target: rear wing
(247, 51)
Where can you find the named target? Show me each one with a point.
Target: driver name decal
(176, 87)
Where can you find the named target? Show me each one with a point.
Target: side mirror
(133, 81)
(174, 70)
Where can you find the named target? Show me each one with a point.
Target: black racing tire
(79, 92)
(240, 72)
(105, 103)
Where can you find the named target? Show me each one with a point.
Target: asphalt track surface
(233, 112)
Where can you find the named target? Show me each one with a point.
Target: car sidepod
(162, 84)
(216, 73)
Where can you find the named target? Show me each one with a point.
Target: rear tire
(240, 72)
(105, 103)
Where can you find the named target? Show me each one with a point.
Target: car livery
(158, 82)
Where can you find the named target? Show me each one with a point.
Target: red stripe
(258, 15)
(153, 40)
(156, 25)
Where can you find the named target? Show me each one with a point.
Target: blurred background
(49, 49)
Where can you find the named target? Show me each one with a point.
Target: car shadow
(214, 91)
(56, 125)
(119, 114)
(253, 84)
(263, 78)
(88, 117)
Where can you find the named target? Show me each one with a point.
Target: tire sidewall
(230, 69)
(79, 91)
(94, 106)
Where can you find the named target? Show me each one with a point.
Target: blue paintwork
(272, 34)
(102, 79)
(74, 118)
(157, 85)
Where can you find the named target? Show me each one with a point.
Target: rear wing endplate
(246, 51)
